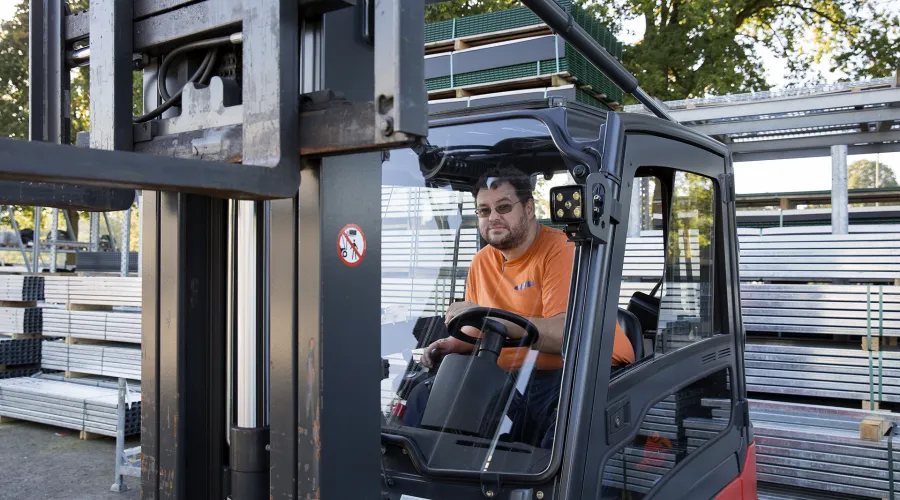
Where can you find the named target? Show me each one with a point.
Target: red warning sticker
(351, 245)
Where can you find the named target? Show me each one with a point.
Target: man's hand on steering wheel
(442, 347)
(464, 333)
(457, 308)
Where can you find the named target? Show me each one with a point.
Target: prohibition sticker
(351, 245)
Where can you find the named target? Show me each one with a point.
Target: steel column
(111, 74)
(54, 238)
(36, 250)
(125, 244)
(183, 433)
(840, 210)
(338, 305)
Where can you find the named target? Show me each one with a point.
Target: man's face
(503, 231)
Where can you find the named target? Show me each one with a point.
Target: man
(526, 269)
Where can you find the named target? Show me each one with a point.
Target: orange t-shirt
(535, 284)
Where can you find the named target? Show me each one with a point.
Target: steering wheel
(494, 334)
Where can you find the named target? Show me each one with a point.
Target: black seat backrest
(632, 328)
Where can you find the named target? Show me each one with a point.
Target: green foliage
(863, 174)
(693, 48)
(14, 74)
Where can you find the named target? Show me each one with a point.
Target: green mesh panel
(518, 17)
(508, 19)
(523, 70)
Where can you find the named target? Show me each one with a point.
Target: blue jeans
(533, 413)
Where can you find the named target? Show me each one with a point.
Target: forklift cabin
(260, 331)
(623, 430)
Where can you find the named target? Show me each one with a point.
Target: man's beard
(517, 235)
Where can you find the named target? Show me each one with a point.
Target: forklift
(273, 136)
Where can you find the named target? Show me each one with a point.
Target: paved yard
(42, 462)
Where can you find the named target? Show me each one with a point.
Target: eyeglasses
(501, 209)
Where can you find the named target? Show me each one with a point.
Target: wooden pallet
(467, 42)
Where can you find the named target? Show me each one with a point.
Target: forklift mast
(268, 133)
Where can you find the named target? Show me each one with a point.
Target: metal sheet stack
(112, 326)
(820, 370)
(21, 288)
(19, 351)
(92, 359)
(822, 309)
(65, 404)
(818, 448)
(93, 290)
(19, 357)
(20, 320)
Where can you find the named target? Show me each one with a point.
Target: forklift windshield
(492, 407)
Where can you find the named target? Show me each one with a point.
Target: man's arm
(550, 332)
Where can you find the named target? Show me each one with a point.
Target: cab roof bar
(562, 22)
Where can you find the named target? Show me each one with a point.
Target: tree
(14, 74)
(863, 174)
(694, 48)
(14, 101)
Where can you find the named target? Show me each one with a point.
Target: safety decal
(351, 245)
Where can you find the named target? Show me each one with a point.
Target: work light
(567, 204)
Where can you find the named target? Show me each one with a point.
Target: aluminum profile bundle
(63, 404)
(19, 371)
(93, 290)
(825, 372)
(93, 381)
(109, 361)
(104, 262)
(818, 448)
(821, 309)
(16, 288)
(112, 326)
(767, 491)
(19, 351)
(21, 320)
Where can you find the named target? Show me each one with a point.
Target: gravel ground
(42, 462)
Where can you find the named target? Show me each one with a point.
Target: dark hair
(497, 176)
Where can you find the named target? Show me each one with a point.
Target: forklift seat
(632, 328)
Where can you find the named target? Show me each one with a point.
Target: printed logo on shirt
(527, 284)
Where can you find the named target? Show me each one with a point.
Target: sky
(808, 174)
(7, 9)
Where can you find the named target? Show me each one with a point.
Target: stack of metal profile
(768, 491)
(110, 361)
(104, 262)
(93, 290)
(19, 351)
(823, 371)
(821, 309)
(97, 325)
(17, 288)
(21, 320)
(19, 371)
(818, 448)
(73, 406)
(92, 381)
